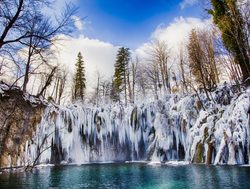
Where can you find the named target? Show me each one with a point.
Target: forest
(29, 39)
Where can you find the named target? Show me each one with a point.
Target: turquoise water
(129, 176)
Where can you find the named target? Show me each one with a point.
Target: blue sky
(130, 22)
(110, 24)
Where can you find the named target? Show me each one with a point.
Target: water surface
(132, 175)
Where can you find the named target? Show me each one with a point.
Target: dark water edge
(128, 175)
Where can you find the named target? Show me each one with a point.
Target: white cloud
(78, 23)
(97, 55)
(186, 3)
(176, 33)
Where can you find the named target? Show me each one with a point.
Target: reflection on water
(129, 176)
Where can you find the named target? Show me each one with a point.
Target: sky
(130, 22)
(102, 26)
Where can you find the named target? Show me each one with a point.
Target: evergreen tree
(120, 80)
(228, 18)
(79, 79)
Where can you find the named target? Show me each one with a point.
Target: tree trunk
(97, 90)
(27, 69)
(184, 83)
(133, 86)
(125, 83)
(48, 81)
(129, 88)
(245, 73)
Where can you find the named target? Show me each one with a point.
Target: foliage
(79, 79)
(229, 19)
(121, 71)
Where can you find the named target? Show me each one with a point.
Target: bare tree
(102, 90)
(134, 70)
(183, 70)
(225, 61)
(202, 60)
(159, 55)
(141, 79)
(48, 81)
(129, 72)
(25, 27)
(152, 73)
(105, 87)
(98, 88)
(18, 16)
(61, 80)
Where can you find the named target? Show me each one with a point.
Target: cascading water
(176, 128)
(79, 135)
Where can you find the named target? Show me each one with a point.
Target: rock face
(18, 120)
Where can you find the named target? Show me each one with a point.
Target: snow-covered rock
(179, 128)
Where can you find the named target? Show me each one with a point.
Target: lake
(129, 175)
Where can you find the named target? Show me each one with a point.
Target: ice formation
(176, 128)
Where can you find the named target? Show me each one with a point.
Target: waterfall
(175, 128)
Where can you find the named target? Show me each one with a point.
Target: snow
(33, 100)
(3, 87)
(109, 130)
(1, 91)
(177, 163)
(167, 130)
(154, 163)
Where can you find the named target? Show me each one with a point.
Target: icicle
(157, 131)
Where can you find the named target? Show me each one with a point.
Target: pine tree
(228, 18)
(79, 79)
(120, 80)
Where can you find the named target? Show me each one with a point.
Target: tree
(157, 70)
(102, 91)
(234, 29)
(121, 76)
(60, 83)
(134, 69)
(105, 87)
(152, 75)
(183, 70)
(24, 28)
(48, 81)
(141, 79)
(79, 79)
(202, 60)
(18, 16)
(158, 56)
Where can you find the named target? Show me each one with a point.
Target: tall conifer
(121, 73)
(79, 79)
